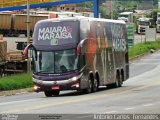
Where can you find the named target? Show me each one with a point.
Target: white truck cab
(158, 22)
(143, 24)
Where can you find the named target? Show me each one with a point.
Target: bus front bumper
(60, 85)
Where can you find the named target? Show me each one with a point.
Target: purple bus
(79, 53)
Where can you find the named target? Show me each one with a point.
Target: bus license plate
(55, 88)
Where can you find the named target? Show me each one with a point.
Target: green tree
(102, 11)
(153, 15)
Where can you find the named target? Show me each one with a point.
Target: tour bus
(78, 53)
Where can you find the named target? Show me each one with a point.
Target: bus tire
(48, 93)
(55, 93)
(95, 85)
(116, 84)
(89, 89)
(120, 81)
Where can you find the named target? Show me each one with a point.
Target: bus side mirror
(81, 47)
(28, 51)
(25, 52)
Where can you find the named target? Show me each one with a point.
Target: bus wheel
(120, 82)
(95, 85)
(116, 84)
(90, 87)
(55, 93)
(48, 93)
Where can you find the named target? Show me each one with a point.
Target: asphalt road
(139, 94)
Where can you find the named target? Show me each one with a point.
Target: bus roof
(78, 18)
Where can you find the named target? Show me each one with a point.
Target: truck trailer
(126, 16)
(3, 52)
(16, 24)
(19, 25)
(78, 53)
(158, 22)
(5, 23)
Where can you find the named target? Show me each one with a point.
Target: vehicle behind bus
(80, 54)
(143, 24)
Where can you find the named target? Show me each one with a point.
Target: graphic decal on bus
(119, 41)
(55, 33)
(97, 40)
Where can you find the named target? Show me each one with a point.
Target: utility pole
(111, 10)
(96, 8)
(28, 35)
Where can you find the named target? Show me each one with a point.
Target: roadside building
(67, 8)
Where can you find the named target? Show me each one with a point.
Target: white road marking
(155, 63)
(130, 108)
(150, 59)
(109, 112)
(84, 116)
(146, 105)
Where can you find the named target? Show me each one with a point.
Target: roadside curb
(142, 55)
(16, 92)
(138, 57)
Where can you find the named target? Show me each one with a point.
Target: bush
(143, 48)
(15, 82)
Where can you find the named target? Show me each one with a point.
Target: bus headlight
(35, 87)
(75, 85)
(74, 78)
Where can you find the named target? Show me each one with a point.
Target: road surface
(139, 94)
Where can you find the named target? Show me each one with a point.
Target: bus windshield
(55, 62)
(122, 15)
(158, 22)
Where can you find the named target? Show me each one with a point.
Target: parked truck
(5, 23)
(15, 24)
(143, 24)
(126, 16)
(158, 22)
(12, 24)
(3, 52)
(78, 53)
(19, 25)
(11, 62)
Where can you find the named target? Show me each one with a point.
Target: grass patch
(14, 82)
(143, 48)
